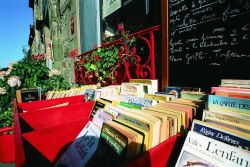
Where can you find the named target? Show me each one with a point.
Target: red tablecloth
(43, 147)
(159, 156)
(55, 116)
(54, 129)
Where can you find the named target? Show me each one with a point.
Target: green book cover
(112, 148)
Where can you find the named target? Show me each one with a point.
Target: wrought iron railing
(142, 66)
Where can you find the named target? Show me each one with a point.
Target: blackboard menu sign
(209, 40)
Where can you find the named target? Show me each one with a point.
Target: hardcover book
(205, 151)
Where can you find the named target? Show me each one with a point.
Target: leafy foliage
(32, 74)
(102, 62)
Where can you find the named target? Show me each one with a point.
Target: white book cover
(200, 150)
(82, 148)
(100, 117)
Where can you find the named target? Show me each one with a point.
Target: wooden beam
(165, 44)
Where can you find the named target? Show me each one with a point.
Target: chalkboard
(209, 40)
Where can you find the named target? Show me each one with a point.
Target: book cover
(231, 85)
(26, 95)
(176, 90)
(140, 134)
(99, 104)
(205, 151)
(132, 89)
(129, 105)
(215, 89)
(193, 95)
(82, 149)
(235, 81)
(229, 104)
(233, 122)
(221, 134)
(175, 119)
(234, 94)
(152, 82)
(133, 147)
(165, 125)
(112, 148)
(188, 109)
(161, 98)
(140, 101)
(89, 94)
(100, 117)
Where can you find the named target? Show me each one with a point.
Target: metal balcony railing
(143, 66)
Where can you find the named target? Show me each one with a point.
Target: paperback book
(205, 151)
(219, 133)
(82, 149)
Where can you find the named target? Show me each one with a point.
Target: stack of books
(222, 137)
(70, 92)
(128, 120)
(237, 83)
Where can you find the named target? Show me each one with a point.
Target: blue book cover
(228, 104)
(220, 135)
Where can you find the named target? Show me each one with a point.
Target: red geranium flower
(120, 27)
(96, 57)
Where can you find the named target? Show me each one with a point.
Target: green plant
(102, 62)
(26, 73)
